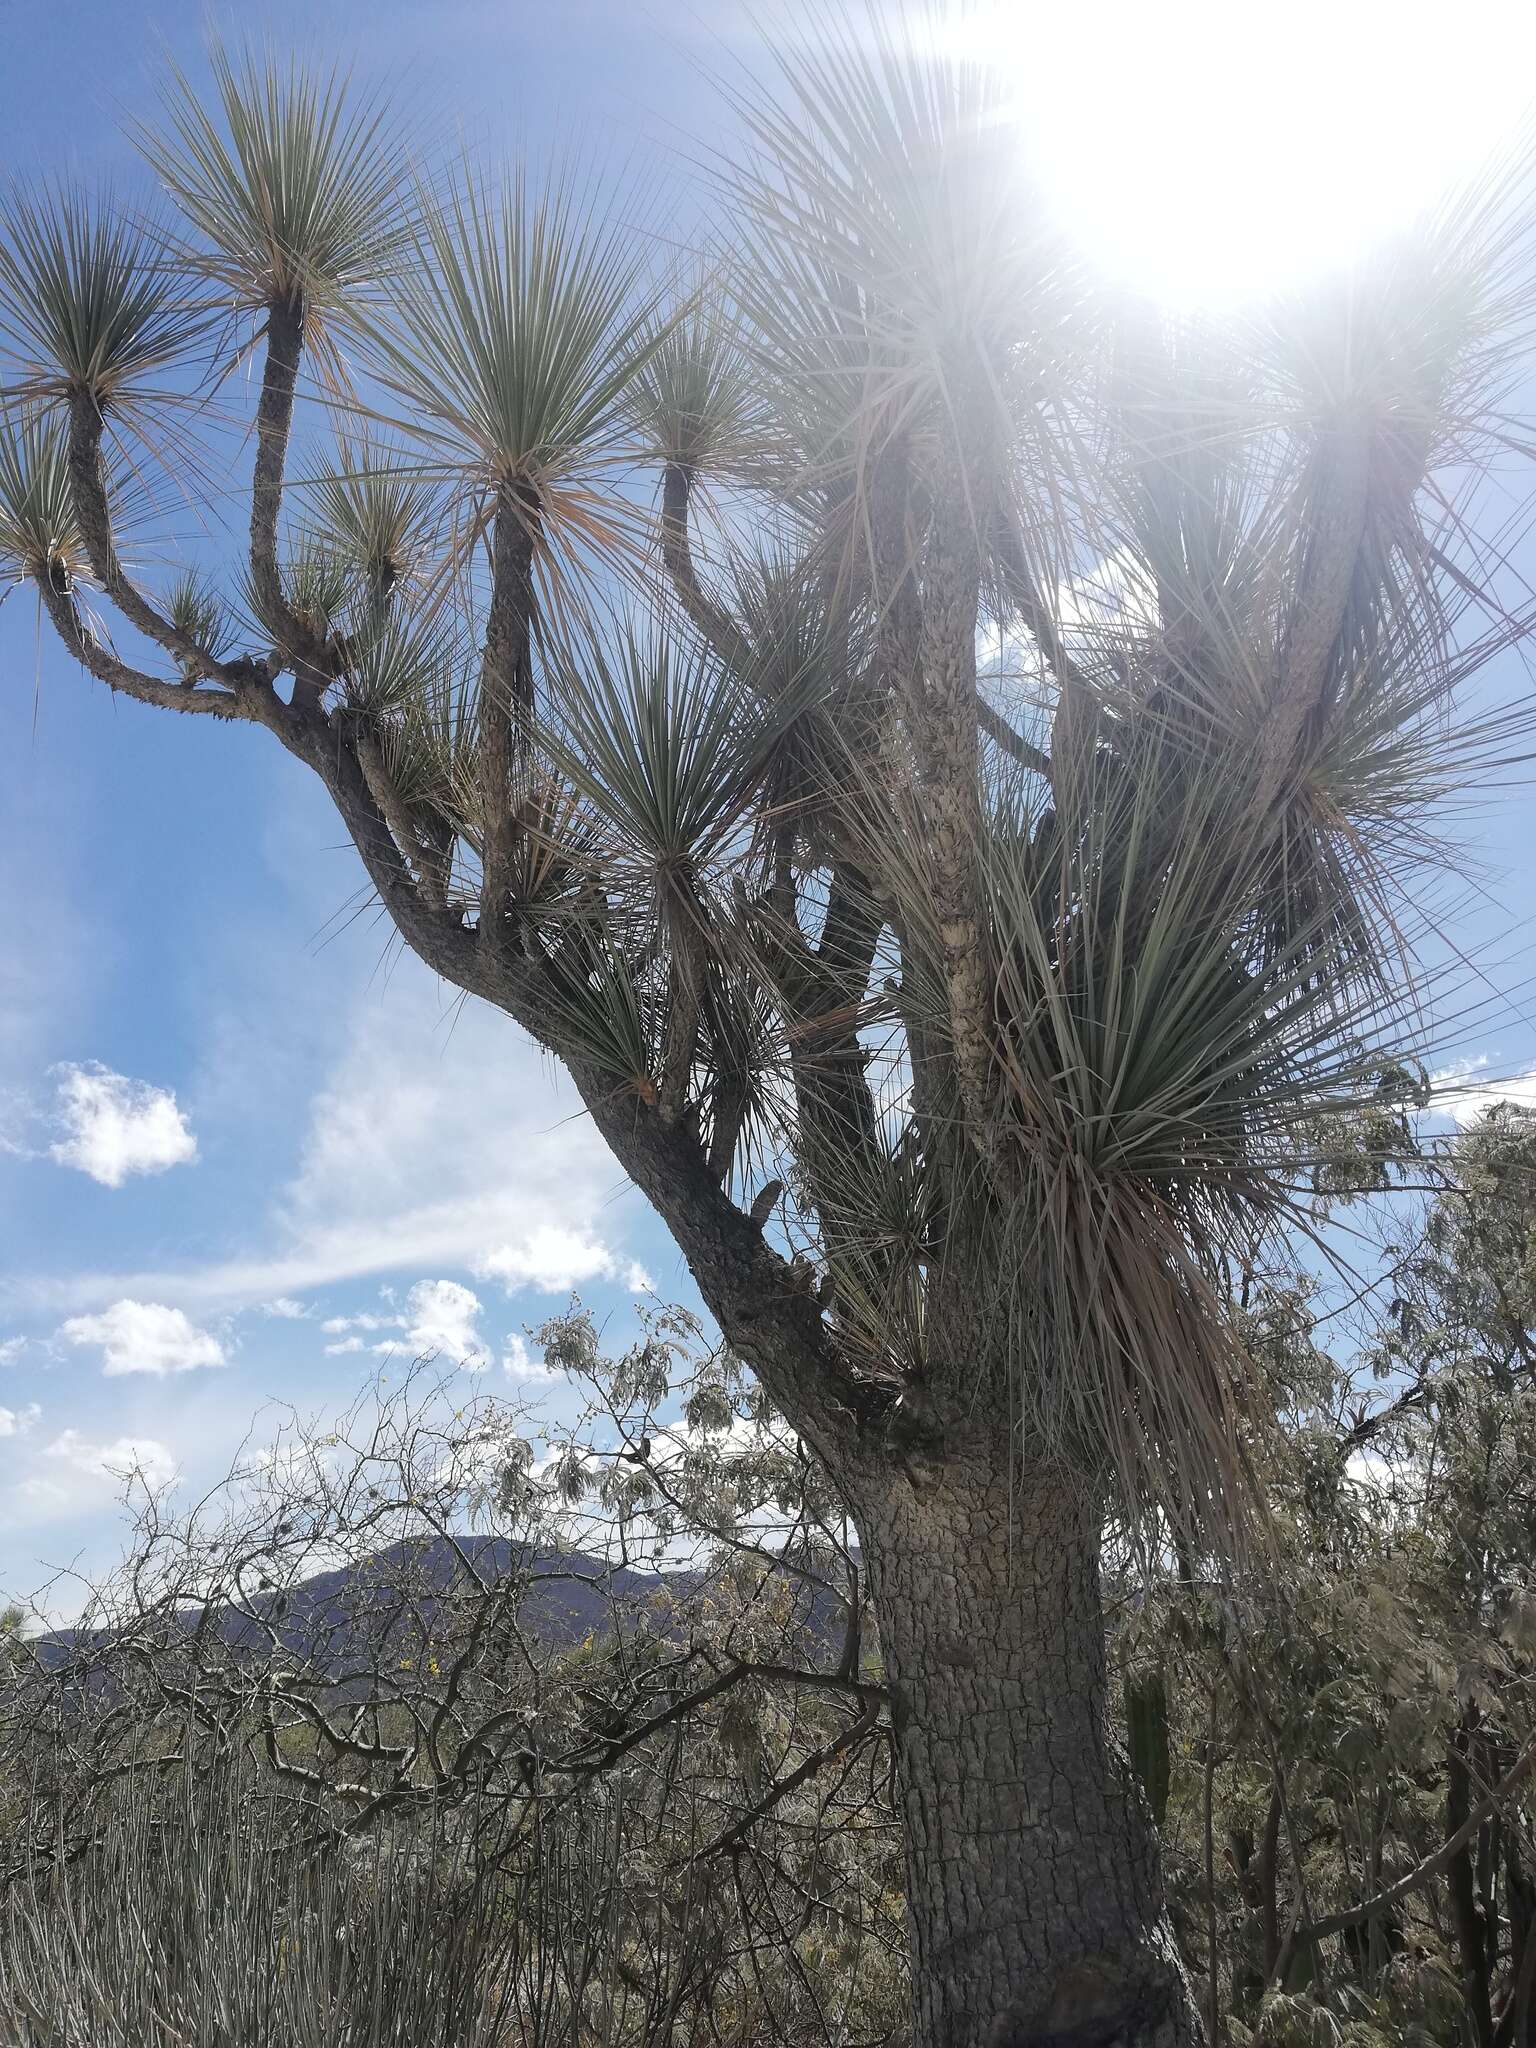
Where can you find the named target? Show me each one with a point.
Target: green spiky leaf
(295, 195)
(90, 302)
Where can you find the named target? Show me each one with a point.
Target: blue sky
(247, 1147)
(223, 1098)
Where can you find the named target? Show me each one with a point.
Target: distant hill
(569, 1594)
(338, 1618)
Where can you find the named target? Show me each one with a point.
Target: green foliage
(667, 754)
(1393, 1626)
(378, 512)
(195, 607)
(90, 304)
(693, 401)
(514, 338)
(39, 535)
(296, 199)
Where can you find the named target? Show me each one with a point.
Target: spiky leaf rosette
(694, 405)
(196, 608)
(376, 510)
(293, 193)
(39, 537)
(668, 753)
(510, 347)
(91, 304)
(899, 279)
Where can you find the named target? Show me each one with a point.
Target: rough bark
(1269, 1885)
(1466, 1912)
(1342, 486)
(93, 516)
(274, 424)
(1034, 1893)
(506, 699)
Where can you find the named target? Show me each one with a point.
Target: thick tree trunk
(1034, 1894)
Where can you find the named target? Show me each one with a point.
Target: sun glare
(1213, 150)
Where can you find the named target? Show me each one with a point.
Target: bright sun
(1212, 148)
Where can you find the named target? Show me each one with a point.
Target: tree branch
(728, 1838)
(1022, 592)
(94, 518)
(1422, 1873)
(721, 633)
(305, 651)
(941, 704)
(506, 700)
(131, 682)
(392, 809)
(997, 728)
(437, 933)
(763, 1304)
(1334, 536)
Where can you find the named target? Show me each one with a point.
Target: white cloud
(440, 1131)
(12, 1349)
(430, 1142)
(145, 1336)
(125, 1457)
(284, 1309)
(443, 1318)
(17, 1421)
(439, 1319)
(1467, 1103)
(552, 1259)
(519, 1364)
(114, 1127)
(72, 1476)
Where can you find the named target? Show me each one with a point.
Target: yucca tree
(957, 844)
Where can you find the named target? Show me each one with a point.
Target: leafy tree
(958, 1015)
(1351, 1736)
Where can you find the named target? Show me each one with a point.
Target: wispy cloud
(72, 1474)
(439, 1140)
(283, 1309)
(1466, 1092)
